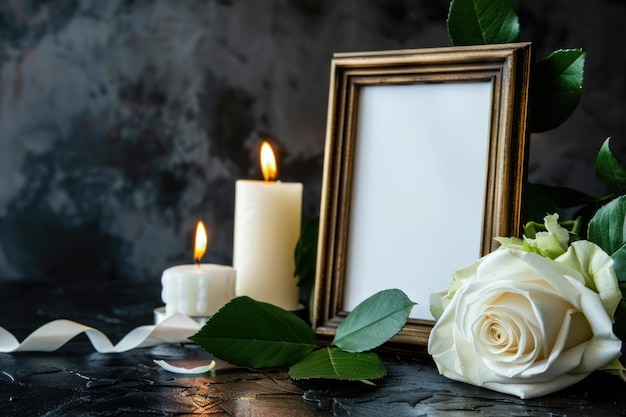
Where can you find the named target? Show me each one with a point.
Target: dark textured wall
(124, 122)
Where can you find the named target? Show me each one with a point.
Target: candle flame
(268, 162)
(200, 243)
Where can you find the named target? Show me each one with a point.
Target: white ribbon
(51, 336)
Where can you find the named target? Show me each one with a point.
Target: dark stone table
(78, 381)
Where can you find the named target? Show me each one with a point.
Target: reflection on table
(77, 381)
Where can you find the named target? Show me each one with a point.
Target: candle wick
(197, 262)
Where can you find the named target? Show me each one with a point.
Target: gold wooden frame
(507, 68)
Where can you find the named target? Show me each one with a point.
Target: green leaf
(560, 196)
(306, 254)
(606, 230)
(482, 22)
(253, 334)
(333, 363)
(556, 88)
(374, 321)
(610, 171)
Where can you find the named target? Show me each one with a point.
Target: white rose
(523, 324)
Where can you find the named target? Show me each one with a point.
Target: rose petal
(181, 370)
(597, 269)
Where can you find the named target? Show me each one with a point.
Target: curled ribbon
(51, 336)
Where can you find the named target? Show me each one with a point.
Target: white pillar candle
(267, 228)
(197, 290)
(200, 289)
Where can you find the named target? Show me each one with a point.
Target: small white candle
(200, 289)
(267, 228)
(197, 290)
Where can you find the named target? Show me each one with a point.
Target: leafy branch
(257, 335)
(556, 89)
(557, 80)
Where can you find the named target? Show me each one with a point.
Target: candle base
(297, 310)
(159, 316)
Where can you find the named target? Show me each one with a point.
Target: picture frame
(425, 164)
